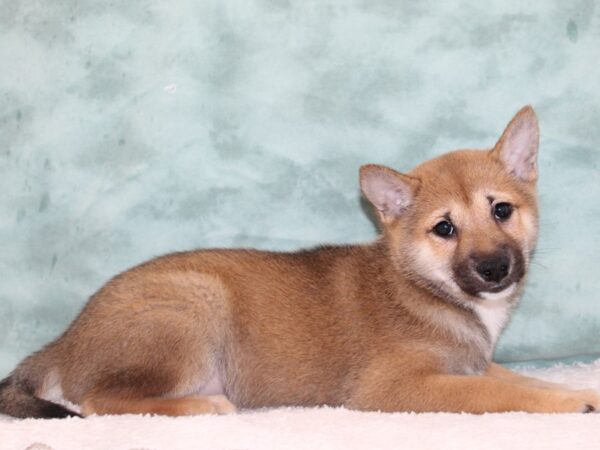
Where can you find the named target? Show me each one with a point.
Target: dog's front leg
(462, 393)
(497, 371)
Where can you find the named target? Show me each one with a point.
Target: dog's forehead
(462, 177)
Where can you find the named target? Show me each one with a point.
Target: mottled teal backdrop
(130, 129)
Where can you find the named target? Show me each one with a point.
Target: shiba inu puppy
(406, 323)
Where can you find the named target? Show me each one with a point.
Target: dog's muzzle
(490, 272)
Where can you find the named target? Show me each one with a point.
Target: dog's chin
(499, 293)
(454, 292)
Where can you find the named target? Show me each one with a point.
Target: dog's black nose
(493, 268)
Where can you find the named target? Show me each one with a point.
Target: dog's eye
(502, 211)
(444, 229)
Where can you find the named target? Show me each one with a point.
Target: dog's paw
(222, 404)
(208, 404)
(591, 399)
(582, 401)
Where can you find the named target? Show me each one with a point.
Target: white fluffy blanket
(322, 428)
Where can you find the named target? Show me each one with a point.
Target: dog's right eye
(444, 229)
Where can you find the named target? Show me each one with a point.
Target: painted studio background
(132, 129)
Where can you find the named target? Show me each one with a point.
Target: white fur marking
(435, 268)
(493, 311)
(495, 296)
(51, 391)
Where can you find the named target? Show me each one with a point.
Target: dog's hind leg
(138, 391)
(159, 351)
(116, 403)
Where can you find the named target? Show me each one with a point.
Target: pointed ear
(518, 145)
(389, 191)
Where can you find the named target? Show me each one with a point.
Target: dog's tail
(17, 393)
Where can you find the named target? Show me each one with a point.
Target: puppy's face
(464, 224)
(471, 227)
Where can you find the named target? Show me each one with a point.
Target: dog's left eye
(502, 211)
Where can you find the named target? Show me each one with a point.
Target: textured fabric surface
(322, 428)
(131, 129)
